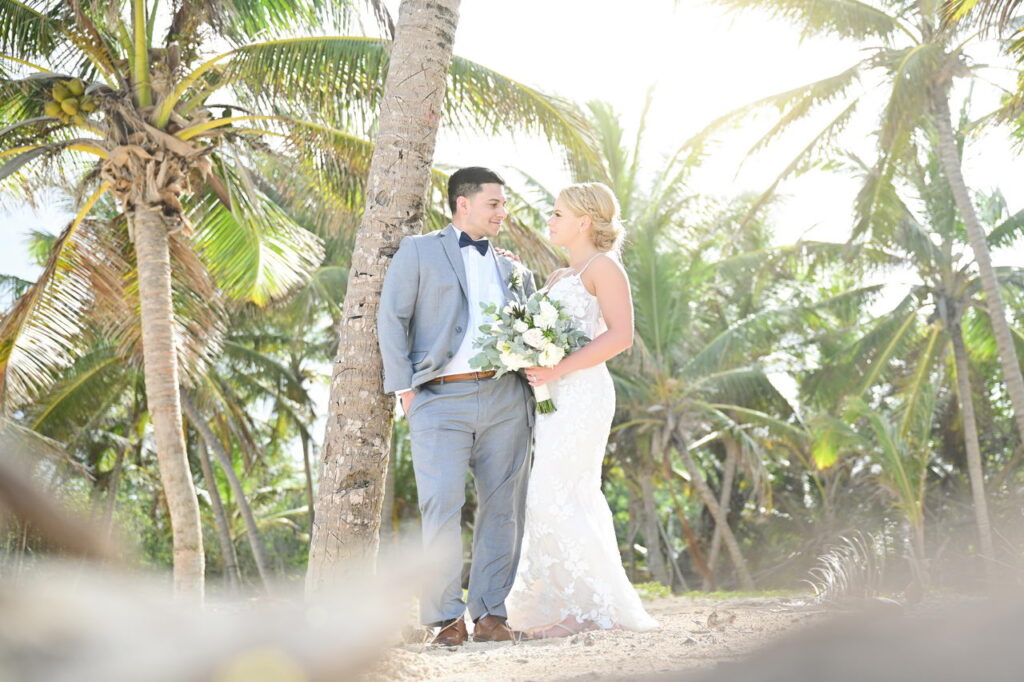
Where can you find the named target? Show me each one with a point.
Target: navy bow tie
(480, 244)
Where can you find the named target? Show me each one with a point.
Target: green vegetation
(777, 398)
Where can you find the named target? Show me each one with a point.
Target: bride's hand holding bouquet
(534, 334)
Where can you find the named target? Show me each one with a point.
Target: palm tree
(908, 345)
(182, 140)
(915, 55)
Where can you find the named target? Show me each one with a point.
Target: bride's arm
(611, 286)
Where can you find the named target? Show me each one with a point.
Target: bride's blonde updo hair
(596, 200)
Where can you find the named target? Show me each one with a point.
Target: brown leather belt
(468, 376)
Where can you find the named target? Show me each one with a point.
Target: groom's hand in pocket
(407, 398)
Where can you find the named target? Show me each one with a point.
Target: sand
(694, 633)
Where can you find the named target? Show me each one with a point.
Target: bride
(570, 576)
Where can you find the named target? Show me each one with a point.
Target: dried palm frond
(852, 569)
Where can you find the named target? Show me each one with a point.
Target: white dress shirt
(484, 283)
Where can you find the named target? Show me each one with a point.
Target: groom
(460, 420)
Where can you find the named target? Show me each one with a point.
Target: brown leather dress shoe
(452, 634)
(493, 629)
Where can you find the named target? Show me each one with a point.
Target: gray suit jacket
(424, 307)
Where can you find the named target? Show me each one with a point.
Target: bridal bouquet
(537, 333)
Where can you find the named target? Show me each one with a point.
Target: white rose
(551, 355)
(547, 317)
(535, 338)
(513, 361)
(520, 326)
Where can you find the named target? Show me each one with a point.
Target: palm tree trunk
(731, 458)
(708, 497)
(921, 568)
(346, 534)
(634, 505)
(220, 520)
(974, 469)
(252, 531)
(652, 535)
(919, 559)
(949, 157)
(672, 559)
(304, 435)
(152, 251)
(112, 488)
(692, 543)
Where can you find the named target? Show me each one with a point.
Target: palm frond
(27, 31)
(797, 105)
(341, 79)
(749, 337)
(978, 336)
(31, 171)
(43, 333)
(254, 250)
(916, 390)
(901, 465)
(746, 386)
(857, 367)
(239, 21)
(881, 212)
(74, 400)
(265, 367)
(1008, 232)
(338, 79)
(794, 104)
(198, 312)
(481, 99)
(661, 293)
(908, 70)
(998, 13)
(66, 38)
(819, 149)
(789, 430)
(615, 156)
(841, 18)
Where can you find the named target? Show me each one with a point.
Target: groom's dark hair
(466, 182)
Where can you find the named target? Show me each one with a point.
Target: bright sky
(702, 64)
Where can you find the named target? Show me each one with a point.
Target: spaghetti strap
(587, 265)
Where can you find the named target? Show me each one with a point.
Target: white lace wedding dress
(570, 571)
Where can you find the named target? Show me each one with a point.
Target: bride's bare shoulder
(604, 270)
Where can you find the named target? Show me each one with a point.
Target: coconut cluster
(70, 104)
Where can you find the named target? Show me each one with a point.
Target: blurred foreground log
(95, 619)
(62, 532)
